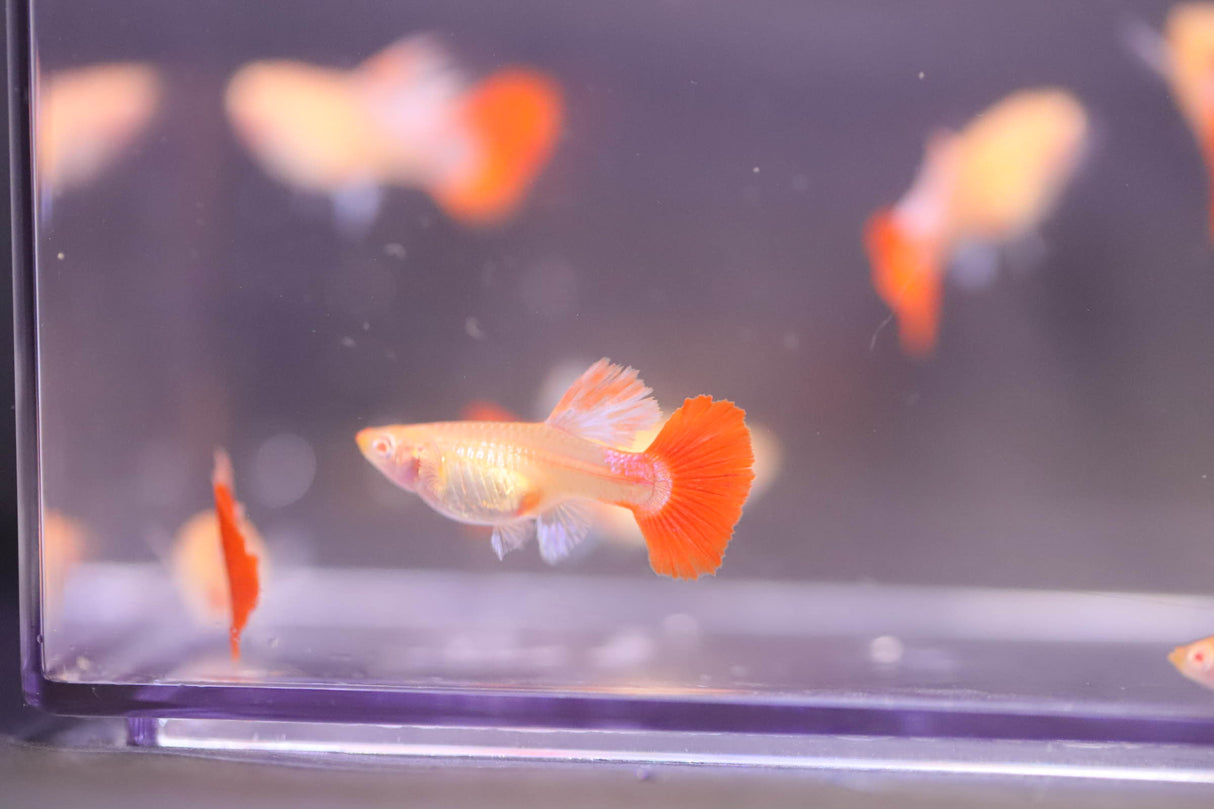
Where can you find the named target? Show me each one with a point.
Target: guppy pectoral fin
(511, 535)
(561, 528)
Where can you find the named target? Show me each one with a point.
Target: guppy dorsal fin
(608, 403)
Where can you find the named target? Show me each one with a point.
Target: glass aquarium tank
(953, 260)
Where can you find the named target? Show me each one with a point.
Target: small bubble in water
(366, 325)
(472, 328)
(283, 470)
(59, 256)
(755, 169)
(348, 342)
(885, 650)
(921, 74)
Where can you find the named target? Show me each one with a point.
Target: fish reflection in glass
(86, 117)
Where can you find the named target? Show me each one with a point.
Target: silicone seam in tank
(21, 71)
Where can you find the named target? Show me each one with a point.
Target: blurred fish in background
(1189, 68)
(407, 116)
(987, 185)
(86, 118)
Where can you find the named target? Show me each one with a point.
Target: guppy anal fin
(560, 529)
(511, 535)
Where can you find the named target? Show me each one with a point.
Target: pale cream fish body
(486, 472)
(1012, 162)
(1195, 661)
(306, 126)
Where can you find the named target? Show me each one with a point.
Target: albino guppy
(686, 489)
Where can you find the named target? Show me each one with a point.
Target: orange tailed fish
(244, 583)
(685, 490)
(407, 116)
(990, 183)
(1196, 661)
(87, 116)
(200, 568)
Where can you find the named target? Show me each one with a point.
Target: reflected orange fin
(514, 117)
(484, 410)
(607, 403)
(704, 456)
(906, 273)
(244, 583)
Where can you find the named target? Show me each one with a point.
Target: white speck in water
(755, 169)
(473, 328)
(791, 341)
(920, 74)
(348, 342)
(395, 250)
(59, 256)
(885, 650)
(366, 325)
(283, 470)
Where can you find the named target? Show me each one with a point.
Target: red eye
(381, 446)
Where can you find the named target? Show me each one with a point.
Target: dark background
(1060, 437)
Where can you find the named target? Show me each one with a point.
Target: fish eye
(1201, 658)
(382, 446)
